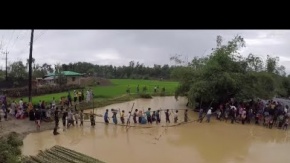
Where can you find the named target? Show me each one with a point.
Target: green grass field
(118, 88)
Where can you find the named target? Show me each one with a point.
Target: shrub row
(20, 92)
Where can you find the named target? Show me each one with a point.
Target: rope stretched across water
(143, 125)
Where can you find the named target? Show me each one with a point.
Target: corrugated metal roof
(66, 73)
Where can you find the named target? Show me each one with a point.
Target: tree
(59, 75)
(18, 71)
(225, 74)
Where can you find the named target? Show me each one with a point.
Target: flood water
(214, 142)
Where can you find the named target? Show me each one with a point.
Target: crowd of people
(270, 113)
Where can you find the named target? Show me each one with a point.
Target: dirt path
(22, 126)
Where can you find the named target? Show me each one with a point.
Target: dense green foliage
(18, 72)
(226, 74)
(10, 148)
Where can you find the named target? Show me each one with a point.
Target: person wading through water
(135, 116)
(37, 116)
(176, 116)
(149, 118)
(123, 117)
(153, 116)
(140, 114)
(56, 117)
(185, 116)
(114, 117)
(106, 116)
(128, 119)
(157, 117)
(82, 118)
(167, 115)
(92, 119)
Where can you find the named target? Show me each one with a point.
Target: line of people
(142, 117)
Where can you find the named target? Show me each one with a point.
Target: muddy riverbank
(215, 142)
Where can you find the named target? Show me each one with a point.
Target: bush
(9, 148)
(146, 77)
(144, 89)
(20, 92)
(145, 95)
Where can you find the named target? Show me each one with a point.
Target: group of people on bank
(270, 113)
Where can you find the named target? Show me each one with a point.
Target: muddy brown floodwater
(214, 142)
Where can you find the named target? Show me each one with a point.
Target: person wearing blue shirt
(106, 116)
(149, 119)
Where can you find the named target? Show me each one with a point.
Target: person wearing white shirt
(53, 102)
(176, 116)
(21, 103)
(286, 109)
(70, 119)
(208, 114)
(88, 96)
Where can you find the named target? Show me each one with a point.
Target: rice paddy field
(116, 89)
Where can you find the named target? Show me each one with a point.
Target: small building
(72, 77)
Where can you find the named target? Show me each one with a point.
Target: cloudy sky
(118, 47)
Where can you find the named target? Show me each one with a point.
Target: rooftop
(66, 73)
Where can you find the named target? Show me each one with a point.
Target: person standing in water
(106, 116)
(185, 116)
(114, 117)
(82, 118)
(123, 117)
(157, 117)
(135, 116)
(176, 116)
(140, 114)
(167, 115)
(56, 117)
(92, 119)
(149, 119)
(208, 115)
(128, 119)
(153, 116)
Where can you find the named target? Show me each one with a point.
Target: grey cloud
(118, 47)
